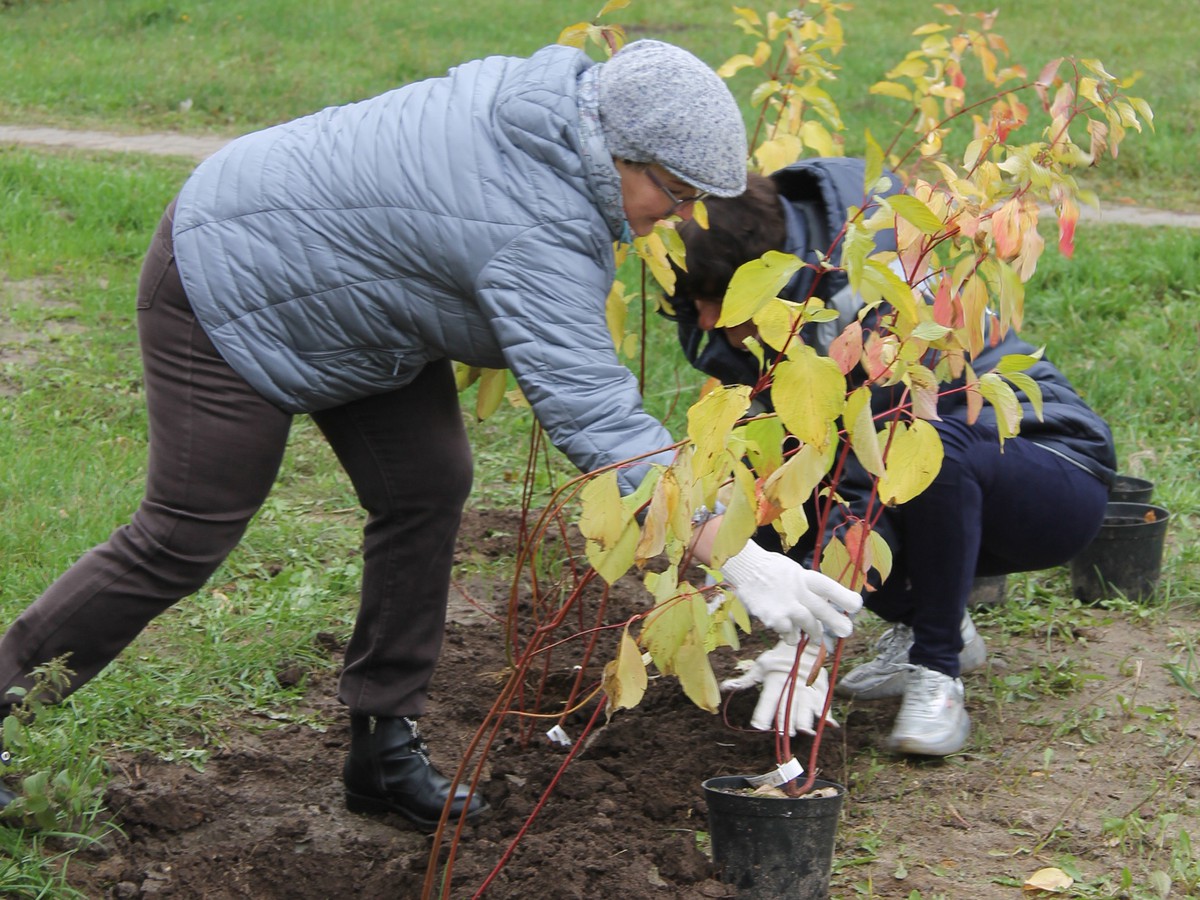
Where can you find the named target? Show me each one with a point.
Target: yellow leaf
(664, 631)
(625, 677)
(739, 521)
(861, 427)
(735, 64)
(612, 561)
(888, 89)
(912, 457)
(881, 554)
(748, 14)
(1049, 879)
(756, 283)
(465, 376)
(575, 35)
(809, 392)
(1032, 389)
(612, 6)
(603, 517)
(700, 214)
(974, 304)
(778, 152)
(615, 312)
(791, 525)
(710, 420)
(817, 136)
(654, 529)
(695, 674)
(1005, 402)
(793, 482)
(874, 164)
(652, 249)
(777, 322)
(924, 386)
(492, 384)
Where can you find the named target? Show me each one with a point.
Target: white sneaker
(932, 720)
(886, 674)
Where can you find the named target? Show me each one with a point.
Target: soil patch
(265, 818)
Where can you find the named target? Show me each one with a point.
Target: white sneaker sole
(919, 745)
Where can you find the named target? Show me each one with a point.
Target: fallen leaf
(1049, 879)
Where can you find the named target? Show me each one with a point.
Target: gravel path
(199, 147)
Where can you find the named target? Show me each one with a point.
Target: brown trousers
(215, 449)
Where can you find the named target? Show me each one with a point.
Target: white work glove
(788, 598)
(773, 671)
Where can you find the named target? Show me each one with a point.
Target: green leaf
(764, 444)
(1017, 362)
(915, 212)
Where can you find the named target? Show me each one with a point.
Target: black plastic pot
(988, 590)
(771, 848)
(1128, 489)
(1125, 559)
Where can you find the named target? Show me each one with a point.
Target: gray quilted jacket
(332, 257)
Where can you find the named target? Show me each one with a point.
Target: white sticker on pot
(789, 771)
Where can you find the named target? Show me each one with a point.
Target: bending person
(1031, 505)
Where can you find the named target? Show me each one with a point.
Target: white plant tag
(558, 736)
(782, 775)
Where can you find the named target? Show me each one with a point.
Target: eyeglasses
(676, 202)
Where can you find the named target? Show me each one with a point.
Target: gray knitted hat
(660, 104)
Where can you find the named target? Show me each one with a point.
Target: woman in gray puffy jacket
(334, 266)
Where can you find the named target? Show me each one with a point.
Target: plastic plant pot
(770, 848)
(1128, 489)
(988, 590)
(1125, 559)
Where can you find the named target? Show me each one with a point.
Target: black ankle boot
(388, 771)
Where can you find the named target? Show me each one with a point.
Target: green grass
(232, 66)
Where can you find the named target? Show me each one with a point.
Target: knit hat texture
(660, 104)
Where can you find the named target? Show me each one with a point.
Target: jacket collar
(599, 169)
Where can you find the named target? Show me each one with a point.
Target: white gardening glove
(788, 598)
(772, 670)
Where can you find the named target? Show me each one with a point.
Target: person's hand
(773, 670)
(788, 598)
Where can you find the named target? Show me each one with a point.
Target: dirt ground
(265, 818)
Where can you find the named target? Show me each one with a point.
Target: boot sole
(373, 806)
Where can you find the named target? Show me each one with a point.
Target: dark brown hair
(739, 229)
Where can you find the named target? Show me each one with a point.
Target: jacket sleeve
(544, 295)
